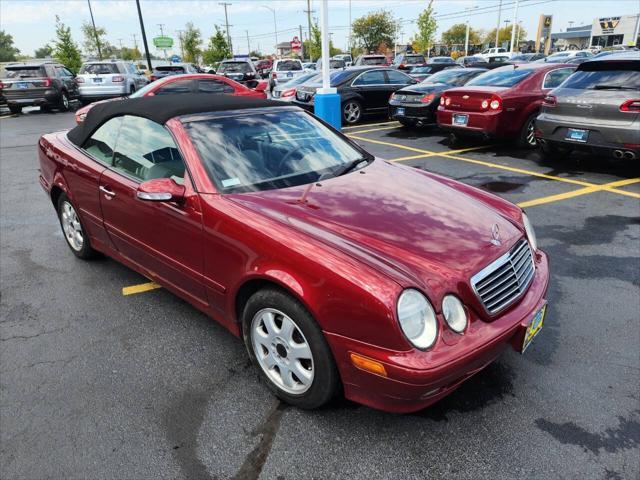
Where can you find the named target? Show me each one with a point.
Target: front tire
(351, 112)
(288, 347)
(72, 229)
(15, 109)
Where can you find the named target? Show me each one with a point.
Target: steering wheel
(299, 151)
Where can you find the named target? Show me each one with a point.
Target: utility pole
(498, 24)
(120, 43)
(95, 32)
(135, 40)
(513, 27)
(144, 37)
(226, 21)
(180, 32)
(308, 11)
(275, 27)
(301, 43)
(248, 44)
(349, 46)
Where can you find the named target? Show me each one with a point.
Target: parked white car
(492, 52)
(107, 79)
(285, 70)
(562, 57)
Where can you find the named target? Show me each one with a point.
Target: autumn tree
(65, 50)
(373, 29)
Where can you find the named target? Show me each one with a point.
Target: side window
(397, 78)
(179, 86)
(67, 72)
(554, 78)
(214, 86)
(102, 143)
(374, 77)
(146, 150)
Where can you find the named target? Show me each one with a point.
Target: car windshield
(142, 91)
(604, 80)
(373, 61)
(234, 67)
(170, 68)
(440, 60)
(269, 151)
(413, 59)
(288, 65)
(420, 70)
(25, 72)
(501, 78)
(98, 69)
(450, 77)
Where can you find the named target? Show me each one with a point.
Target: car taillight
(631, 106)
(289, 93)
(80, 117)
(442, 100)
(550, 101)
(79, 80)
(447, 101)
(495, 103)
(117, 78)
(485, 104)
(43, 83)
(401, 65)
(1, 85)
(274, 75)
(393, 96)
(428, 98)
(153, 78)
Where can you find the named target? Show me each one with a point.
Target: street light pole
(513, 26)
(275, 26)
(95, 32)
(144, 37)
(327, 101)
(466, 39)
(498, 24)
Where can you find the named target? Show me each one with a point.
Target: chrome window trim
(370, 84)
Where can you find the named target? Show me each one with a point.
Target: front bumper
(417, 379)
(95, 92)
(601, 138)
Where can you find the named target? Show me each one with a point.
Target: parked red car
(190, 83)
(340, 271)
(502, 103)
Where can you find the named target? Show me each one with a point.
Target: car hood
(419, 229)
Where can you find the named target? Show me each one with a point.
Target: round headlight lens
(531, 233)
(417, 319)
(454, 313)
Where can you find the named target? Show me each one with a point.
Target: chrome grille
(505, 280)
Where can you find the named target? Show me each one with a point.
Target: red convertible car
(340, 271)
(189, 83)
(502, 103)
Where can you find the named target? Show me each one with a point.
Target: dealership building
(604, 32)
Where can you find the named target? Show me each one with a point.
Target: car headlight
(531, 234)
(454, 313)
(417, 319)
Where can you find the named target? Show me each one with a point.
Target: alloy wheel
(71, 226)
(65, 101)
(282, 351)
(530, 135)
(351, 112)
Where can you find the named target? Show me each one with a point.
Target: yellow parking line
(580, 192)
(370, 125)
(374, 129)
(143, 287)
(434, 154)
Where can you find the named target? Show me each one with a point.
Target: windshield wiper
(612, 87)
(344, 168)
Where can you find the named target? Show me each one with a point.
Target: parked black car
(238, 70)
(416, 105)
(362, 90)
(44, 84)
(527, 57)
(406, 61)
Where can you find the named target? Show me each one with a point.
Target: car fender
(351, 96)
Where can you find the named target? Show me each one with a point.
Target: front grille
(506, 279)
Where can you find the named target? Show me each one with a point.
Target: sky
(31, 23)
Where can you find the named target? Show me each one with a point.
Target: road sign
(163, 42)
(296, 44)
(175, 59)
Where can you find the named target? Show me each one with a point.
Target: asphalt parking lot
(104, 376)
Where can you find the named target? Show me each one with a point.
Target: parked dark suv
(406, 61)
(44, 84)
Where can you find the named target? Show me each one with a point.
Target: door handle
(106, 191)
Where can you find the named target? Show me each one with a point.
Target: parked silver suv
(107, 79)
(597, 109)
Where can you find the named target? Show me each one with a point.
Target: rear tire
(351, 112)
(294, 360)
(72, 229)
(63, 106)
(15, 109)
(408, 123)
(527, 138)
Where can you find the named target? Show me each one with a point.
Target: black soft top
(160, 109)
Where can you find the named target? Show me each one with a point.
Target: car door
(83, 178)
(67, 79)
(165, 238)
(372, 86)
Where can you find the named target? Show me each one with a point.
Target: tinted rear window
(603, 79)
(500, 78)
(288, 65)
(414, 59)
(25, 72)
(170, 68)
(234, 67)
(373, 61)
(99, 68)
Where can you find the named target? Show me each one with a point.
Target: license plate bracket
(577, 135)
(22, 85)
(460, 120)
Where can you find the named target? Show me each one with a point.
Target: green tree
(127, 53)
(218, 48)
(43, 52)
(191, 40)
(504, 35)
(255, 53)
(93, 38)
(8, 51)
(65, 50)
(456, 35)
(426, 28)
(375, 28)
(313, 48)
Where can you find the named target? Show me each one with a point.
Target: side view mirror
(160, 190)
(413, 81)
